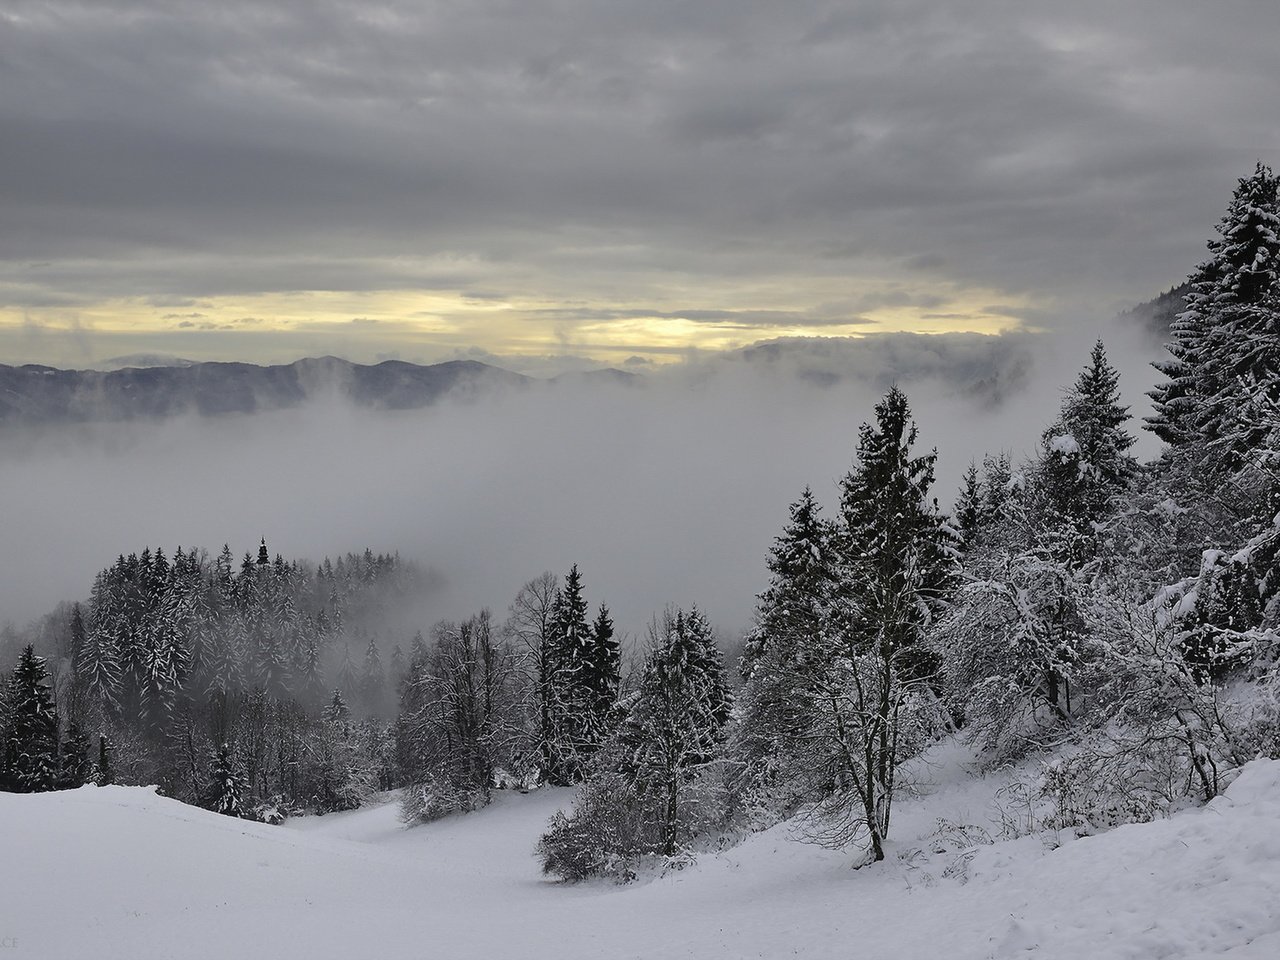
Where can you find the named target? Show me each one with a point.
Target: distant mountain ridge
(40, 394)
(1157, 314)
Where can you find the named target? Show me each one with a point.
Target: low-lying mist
(666, 492)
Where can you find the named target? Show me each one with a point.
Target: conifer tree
(1224, 344)
(31, 734)
(77, 636)
(899, 559)
(226, 792)
(337, 710)
(676, 723)
(74, 767)
(373, 681)
(396, 666)
(105, 774)
(969, 508)
(1084, 465)
(789, 622)
(601, 675)
(567, 695)
(800, 564)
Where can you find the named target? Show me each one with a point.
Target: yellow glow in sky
(426, 326)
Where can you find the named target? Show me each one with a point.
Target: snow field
(121, 872)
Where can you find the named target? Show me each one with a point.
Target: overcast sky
(272, 179)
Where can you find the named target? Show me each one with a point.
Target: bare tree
(529, 627)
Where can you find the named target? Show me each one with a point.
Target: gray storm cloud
(1075, 151)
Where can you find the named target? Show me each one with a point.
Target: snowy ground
(120, 872)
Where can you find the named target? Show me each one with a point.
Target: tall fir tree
(75, 769)
(969, 508)
(900, 560)
(1084, 464)
(601, 676)
(227, 789)
(31, 731)
(567, 695)
(676, 723)
(105, 775)
(1224, 344)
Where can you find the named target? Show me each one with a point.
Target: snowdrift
(121, 872)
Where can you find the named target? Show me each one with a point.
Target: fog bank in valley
(666, 492)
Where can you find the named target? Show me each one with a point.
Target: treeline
(238, 690)
(173, 659)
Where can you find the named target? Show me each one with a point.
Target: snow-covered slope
(121, 872)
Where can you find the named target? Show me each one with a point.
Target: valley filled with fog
(668, 490)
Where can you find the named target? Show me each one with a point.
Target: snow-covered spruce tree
(1227, 615)
(227, 788)
(336, 711)
(1224, 344)
(899, 558)
(1083, 466)
(31, 728)
(567, 692)
(1013, 643)
(74, 767)
(874, 700)
(601, 675)
(779, 655)
(969, 508)
(373, 681)
(104, 774)
(654, 786)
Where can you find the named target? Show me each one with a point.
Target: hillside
(121, 872)
(40, 395)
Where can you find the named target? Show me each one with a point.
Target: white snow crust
(122, 872)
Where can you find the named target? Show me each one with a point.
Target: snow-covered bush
(435, 796)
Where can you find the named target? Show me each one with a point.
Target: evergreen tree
(396, 666)
(226, 792)
(31, 734)
(899, 559)
(789, 623)
(373, 681)
(800, 563)
(337, 710)
(675, 726)
(1224, 344)
(74, 767)
(106, 774)
(568, 698)
(346, 677)
(77, 636)
(969, 508)
(1084, 465)
(601, 675)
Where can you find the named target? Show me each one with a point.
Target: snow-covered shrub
(435, 796)
(617, 824)
(602, 835)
